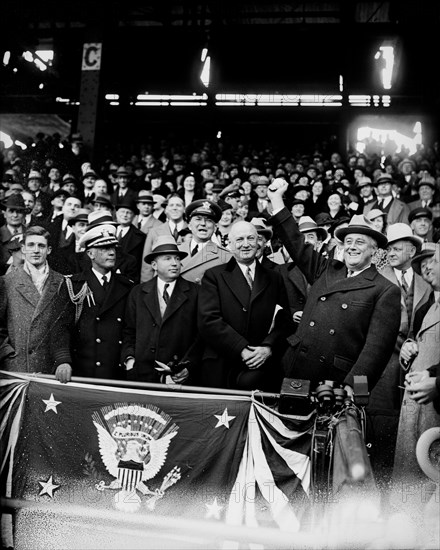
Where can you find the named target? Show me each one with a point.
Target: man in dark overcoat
(98, 296)
(243, 318)
(161, 319)
(352, 315)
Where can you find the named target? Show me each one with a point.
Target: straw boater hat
(165, 244)
(80, 216)
(98, 218)
(361, 224)
(402, 232)
(428, 250)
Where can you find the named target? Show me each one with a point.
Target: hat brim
(150, 257)
(342, 232)
(320, 232)
(102, 242)
(416, 261)
(4, 206)
(416, 241)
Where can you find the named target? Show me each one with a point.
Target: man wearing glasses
(243, 317)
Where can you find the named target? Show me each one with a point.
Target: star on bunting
(223, 419)
(48, 487)
(214, 510)
(51, 404)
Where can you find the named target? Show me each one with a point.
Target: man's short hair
(36, 230)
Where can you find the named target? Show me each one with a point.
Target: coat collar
(26, 288)
(337, 281)
(208, 252)
(119, 286)
(234, 278)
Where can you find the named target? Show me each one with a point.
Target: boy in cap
(97, 296)
(202, 252)
(161, 320)
(420, 220)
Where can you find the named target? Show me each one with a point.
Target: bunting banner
(137, 452)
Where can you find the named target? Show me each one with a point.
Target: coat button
(344, 306)
(98, 363)
(322, 359)
(153, 350)
(331, 331)
(120, 342)
(197, 279)
(154, 324)
(312, 323)
(98, 318)
(244, 309)
(119, 319)
(98, 340)
(323, 298)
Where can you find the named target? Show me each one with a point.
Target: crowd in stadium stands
(230, 267)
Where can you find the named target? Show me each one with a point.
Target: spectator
(145, 220)
(239, 318)
(420, 220)
(36, 315)
(161, 320)
(131, 239)
(337, 339)
(396, 210)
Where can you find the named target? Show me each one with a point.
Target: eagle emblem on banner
(133, 444)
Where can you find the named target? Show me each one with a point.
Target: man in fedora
(122, 192)
(420, 220)
(313, 234)
(426, 190)
(34, 184)
(14, 212)
(88, 180)
(352, 314)
(131, 239)
(145, 219)
(102, 202)
(364, 188)
(385, 399)
(259, 202)
(202, 252)
(264, 233)
(395, 209)
(174, 225)
(97, 296)
(161, 320)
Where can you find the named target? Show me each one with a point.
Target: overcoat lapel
(234, 279)
(114, 293)
(178, 298)
(337, 280)
(49, 292)
(151, 300)
(261, 281)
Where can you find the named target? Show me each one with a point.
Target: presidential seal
(133, 443)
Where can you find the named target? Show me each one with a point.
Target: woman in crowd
(378, 218)
(224, 226)
(316, 202)
(335, 206)
(190, 191)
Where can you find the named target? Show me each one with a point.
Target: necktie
(195, 250)
(175, 233)
(166, 296)
(140, 224)
(350, 273)
(403, 282)
(119, 236)
(249, 279)
(105, 283)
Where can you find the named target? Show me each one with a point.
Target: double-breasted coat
(349, 325)
(194, 267)
(36, 323)
(149, 337)
(232, 317)
(96, 338)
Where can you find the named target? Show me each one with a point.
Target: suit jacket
(147, 272)
(398, 212)
(149, 224)
(36, 323)
(232, 317)
(149, 337)
(349, 325)
(193, 268)
(130, 195)
(97, 336)
(418, 204)
(133, 243)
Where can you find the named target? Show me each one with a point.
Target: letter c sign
(91, 60)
